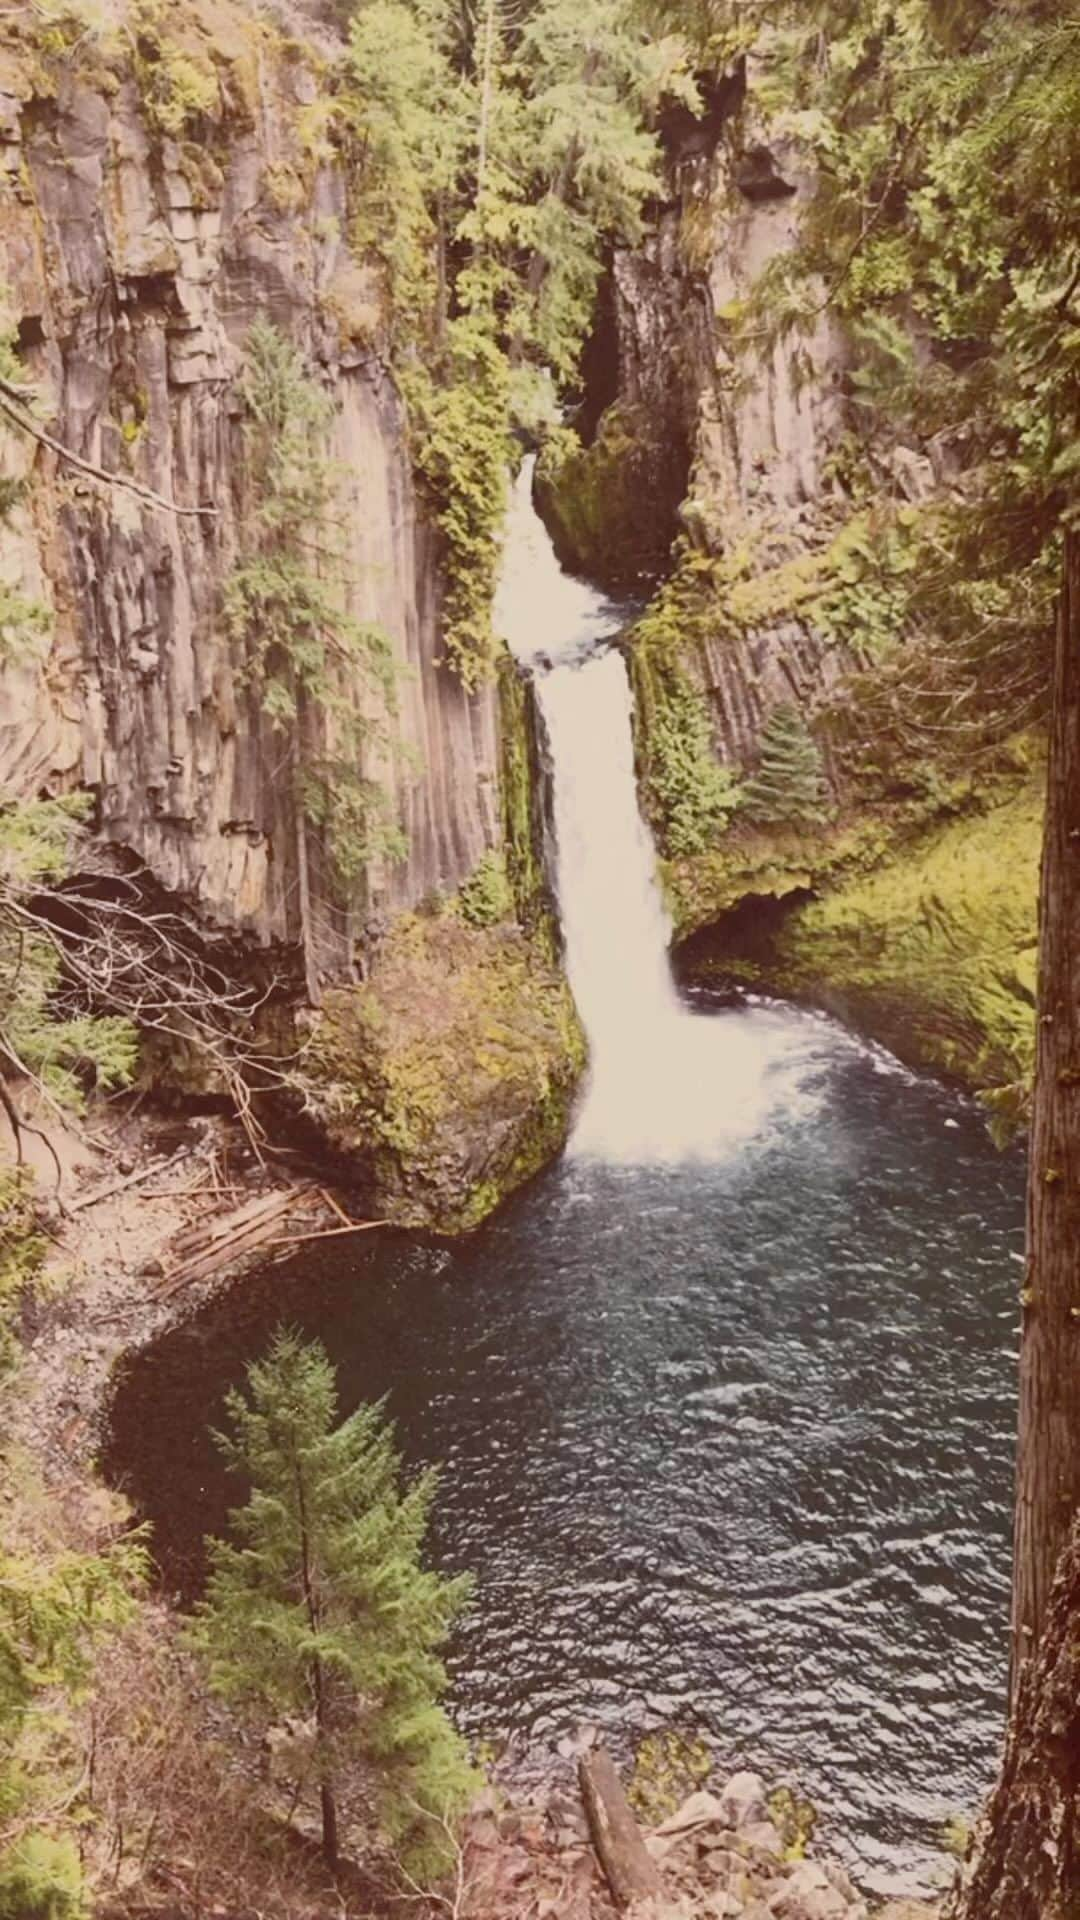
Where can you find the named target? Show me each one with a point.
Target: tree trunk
(303, 862)
(329, 1826)
(1025, 1860)
(487, 82)
(318, 1677)
(1048, 1457)
(628, 1867)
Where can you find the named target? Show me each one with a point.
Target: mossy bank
(923, 935)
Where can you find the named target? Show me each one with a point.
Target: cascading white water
(664, 1082)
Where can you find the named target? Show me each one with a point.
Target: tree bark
(329, 1826)
(1048, 1447)
(629, 1869)
(1025, 1858)
(303, 862)
(327, 1802)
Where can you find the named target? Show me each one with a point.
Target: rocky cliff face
(780, 480)
(166, 182)
(737, 449)
(762, 493)
(157, 200)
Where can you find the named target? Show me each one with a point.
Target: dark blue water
(727, 1444)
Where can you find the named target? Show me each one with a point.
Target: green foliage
(494, 158)
(948, 153)
(54, 1612)
(789, 784)
(23, 622)
(519, 798)
(485, 898)
(402, 123)
(693, 796)
(321, 1607)
(463, 450)
(668, 1767)
(956, 1835)
(794, 1819)
(1008, 1111)
(311, 661)
(22, 1252)
(64, 1054)
(41, 1879)
(180, 93)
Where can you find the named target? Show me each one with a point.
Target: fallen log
(627, 1866)
(221, 1226)
(240, 1232)
(135, 1179)
(330, 1233)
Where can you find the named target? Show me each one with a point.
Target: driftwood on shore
(628, 1868)
(203, 1249)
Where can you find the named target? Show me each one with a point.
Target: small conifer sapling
(789, 785)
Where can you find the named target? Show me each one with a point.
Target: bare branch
(13, 400)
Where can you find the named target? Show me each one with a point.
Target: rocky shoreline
(721, 1855)
(105, 1287)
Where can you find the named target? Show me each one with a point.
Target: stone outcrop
(732, 447)
(449, 1074)
(138, 243)
(721, 1856)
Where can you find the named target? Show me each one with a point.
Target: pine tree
(320, 1606)
(789, 785)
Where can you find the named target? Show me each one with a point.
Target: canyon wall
(738, 443)
(760, 484)
(166, 182)
(134, 261)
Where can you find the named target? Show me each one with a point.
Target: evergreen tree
(320, 1606)
(789, 785)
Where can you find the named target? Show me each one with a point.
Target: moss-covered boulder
(446, 1078)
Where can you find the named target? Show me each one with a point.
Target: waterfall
(665, 1082)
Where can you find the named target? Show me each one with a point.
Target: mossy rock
(767, 863)
(936, 950)
(447, 1077)
(611, 508)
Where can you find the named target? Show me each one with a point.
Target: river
(725, 1398)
